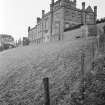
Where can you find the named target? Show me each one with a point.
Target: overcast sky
(17, 15)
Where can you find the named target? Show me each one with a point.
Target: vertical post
(82, 72)
(82, 63)
(83, 14)
(42, 31)
(58, 32)
(46, 91)
(51, 18)
(43, 13)
(93, 54)
(95, 14)
(104, 39)
(93, 50)
(98, 42)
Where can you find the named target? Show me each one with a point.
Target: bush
(100, 20)
(94, 93)
(25, 41)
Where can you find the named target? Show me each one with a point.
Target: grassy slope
(23, 69)
(101, 25)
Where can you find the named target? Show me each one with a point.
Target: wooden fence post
(82, 63)
(98, 42)
(82, 72)
(93, 55)
(93, 50)
(46, 91)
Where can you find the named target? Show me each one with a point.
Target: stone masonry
(63, 14)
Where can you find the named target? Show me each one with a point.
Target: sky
(17, 15)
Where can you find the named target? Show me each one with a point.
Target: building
(25, 41)
(6, 41)
(63, 14)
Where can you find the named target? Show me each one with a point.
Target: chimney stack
(51, 5)
(52, 2)
(83, 13)
(83, 5)
(75, 1)
(38, 20)
(95, 14)
(29, 28)
(43, 13)
(95, 10)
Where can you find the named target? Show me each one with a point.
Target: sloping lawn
(22, 70)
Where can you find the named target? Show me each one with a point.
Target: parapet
(38, 19)
(62, 3)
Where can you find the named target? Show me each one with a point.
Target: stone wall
(71, 35)
(82, 32)
(46, 28)
(92, 30)
(41, 31)
(63, 15)
(72, 17)
(58, 27)
(90, 18)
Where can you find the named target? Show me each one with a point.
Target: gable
(89, 9)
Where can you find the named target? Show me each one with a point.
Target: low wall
(71, 35)
(82, 32)
(92, 30)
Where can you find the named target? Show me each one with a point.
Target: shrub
(94, 93)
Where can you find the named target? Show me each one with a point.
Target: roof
(89, 9)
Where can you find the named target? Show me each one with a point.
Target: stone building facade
(63, 14)
(6, 40)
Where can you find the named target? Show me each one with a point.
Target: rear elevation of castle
(63, 14)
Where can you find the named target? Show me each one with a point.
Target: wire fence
(97, 46)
